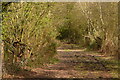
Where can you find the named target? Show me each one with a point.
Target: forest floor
(76, 63)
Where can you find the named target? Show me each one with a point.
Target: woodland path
(73, 63)
(76, 63)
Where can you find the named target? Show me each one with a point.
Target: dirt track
(76, 63)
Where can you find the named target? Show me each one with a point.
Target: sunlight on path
(64, 50)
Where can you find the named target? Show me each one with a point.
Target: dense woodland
(31, 32)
